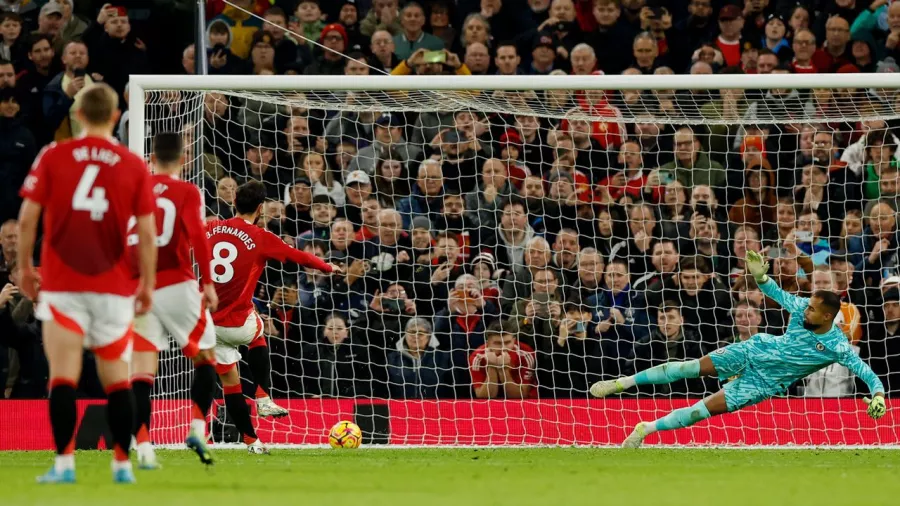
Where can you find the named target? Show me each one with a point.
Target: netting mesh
(606, 230)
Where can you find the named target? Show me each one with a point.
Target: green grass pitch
(433, 477)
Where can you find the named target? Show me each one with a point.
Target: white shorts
(177, 309)
(104, 320)
(228, 339)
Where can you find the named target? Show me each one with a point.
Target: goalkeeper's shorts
(747, 385)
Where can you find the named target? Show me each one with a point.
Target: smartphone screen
(434, 57)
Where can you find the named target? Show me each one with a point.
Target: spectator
(583, 60)
(20, 333)
(412, 37)
(775, 39)
(624, 308)
(460, 326)
(369, 215)
(507, 59)
(382, 326)
(645, 53)
(610, 31)
(482, 204)
(804, 46)
(543, 55)
(503, 367)
(477, 58)
(757, 207)
(241, 24)
(59, 95)
(309, 16)
(881, 157)
(416, 368)
(537, 256)
(384, 15)
(835, 53)
(664, 259)
(12, 41)
(336, 365)
(699, 291)
(692, 166)
(882, 346)
(50, 23)
(391, 180)
(32, 82)
(475, 29)
(391, 252)
(875, 252)
(262, 54)
(731, 23)
(643, 232)
(17, 150)
(9, 240)
(590, 274)
(439, 21)
(669, 341)
(330, 57)
(426, 197)
(382, 47)
(118, 53)
(389, 140)
(747, 321)
(219, 54)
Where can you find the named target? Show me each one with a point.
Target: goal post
(602, 220)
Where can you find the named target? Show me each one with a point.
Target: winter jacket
(418, 204)
(336, 370)
(417, 377)
(17, 151)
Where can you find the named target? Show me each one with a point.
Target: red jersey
(239, 254)
(179, 227)
(521, 364)
(89, 189)
(731, 51)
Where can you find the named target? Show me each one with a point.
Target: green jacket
(719, 134)
(871, 181)
(705, 172)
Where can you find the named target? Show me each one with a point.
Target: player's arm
(278, 250)
(876, 407)
(29, 214)
(146, 232)
(759, 268)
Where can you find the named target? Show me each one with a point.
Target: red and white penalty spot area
(24, 425)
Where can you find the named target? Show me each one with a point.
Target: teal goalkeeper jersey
(799, 352)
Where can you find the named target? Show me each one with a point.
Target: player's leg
(261, 369)
(237, 407)
(202, 391)
(680, 418)
(144, 365)
(63, 347)
(730, 359)
(64, 323)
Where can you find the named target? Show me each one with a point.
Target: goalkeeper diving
(762, 366)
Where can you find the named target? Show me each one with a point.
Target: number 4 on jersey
(89, 198)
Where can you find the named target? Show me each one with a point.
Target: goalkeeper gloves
(876, 409)
(757, 266)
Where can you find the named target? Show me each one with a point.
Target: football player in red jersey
(88, 188)
(180, 308)
(240, 250)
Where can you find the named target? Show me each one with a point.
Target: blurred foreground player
(760, 367)
(87, 189)
(240, 250)
(180, 308)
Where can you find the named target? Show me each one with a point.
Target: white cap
(890, 280)
(357, 176)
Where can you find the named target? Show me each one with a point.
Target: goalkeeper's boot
(122, 472)
(636, 438)
(601, 389)
(56, 476)
(265, 407)
(257, 448)
(147, 458)
(197, 443)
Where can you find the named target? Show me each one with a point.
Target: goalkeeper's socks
(202, 392)
(120, 417)
(260, 367)
(680, 418)
(142, 386)
(239, 411)
(664, 373)
(63, 416)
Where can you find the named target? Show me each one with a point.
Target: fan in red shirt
(180, 309)
(88, 189)
(503, 367)
(240, 251)
(731, 22)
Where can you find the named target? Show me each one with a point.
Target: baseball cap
(729, 12)
(389, 120)
(302, 180)
(51, 8)
(322, 198)
(543, 39)
(357, 176)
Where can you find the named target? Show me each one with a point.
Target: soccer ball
(345, 434)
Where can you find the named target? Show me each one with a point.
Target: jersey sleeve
(196, 229)
(791, 303)
(851, 361)
(144, 201)
(276, 249)
(35, 187)
(477, 368)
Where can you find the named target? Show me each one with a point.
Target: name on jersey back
(240, 234)
(106, 156)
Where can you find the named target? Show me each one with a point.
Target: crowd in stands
(520, 254)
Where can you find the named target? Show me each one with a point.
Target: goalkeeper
(762, 367)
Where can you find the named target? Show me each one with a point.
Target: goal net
(509, 241)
